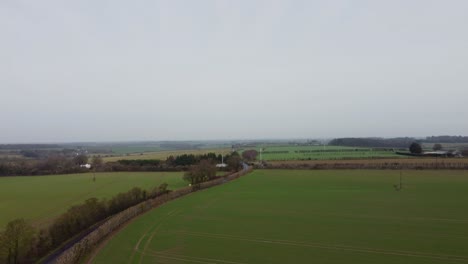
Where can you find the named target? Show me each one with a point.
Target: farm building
(87, 166)
(442, 153)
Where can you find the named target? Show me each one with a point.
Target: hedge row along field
(273, 153)
(460, 165)
(298, 216)
(39, 199)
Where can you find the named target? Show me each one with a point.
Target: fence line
(75, 253)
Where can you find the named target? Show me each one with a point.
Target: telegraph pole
(261, 158)
(401, 178)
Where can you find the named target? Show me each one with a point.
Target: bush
(415, 148)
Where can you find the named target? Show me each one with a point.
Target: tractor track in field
(92, 255)
(191, 258)
(461, 259)
(103, 243)
(154, 229)
(153, 233)
(143, 250)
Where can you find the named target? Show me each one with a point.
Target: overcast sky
(176, 70)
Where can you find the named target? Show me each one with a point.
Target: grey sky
(170, 70)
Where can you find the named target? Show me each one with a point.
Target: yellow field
(162, 155)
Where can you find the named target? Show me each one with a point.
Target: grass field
(306, 217)
(41, 198)
(272, 153)
(162, 155)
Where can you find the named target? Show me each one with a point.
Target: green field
(39, 199)
(306, 217)
(274, 153)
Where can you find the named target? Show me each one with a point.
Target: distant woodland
(402, 142)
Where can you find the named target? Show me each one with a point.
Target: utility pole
(261, 159)
(401, 178)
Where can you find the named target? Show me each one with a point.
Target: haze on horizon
(180, 70)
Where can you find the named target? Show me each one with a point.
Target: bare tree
(80, 159)
(437, 147)
(415, 148)
(16, 241)
(234, 163)
(203, 171)
(250, 154)
(96, 162)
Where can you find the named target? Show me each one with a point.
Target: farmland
(129, 148)
(39, 199)
(296, 216)
(446, 146)
(398, 160)
(162, 155)
(272, 153)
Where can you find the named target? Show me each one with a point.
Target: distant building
(442, 153)
(87, 166)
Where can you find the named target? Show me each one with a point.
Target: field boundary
(86, 245)
(395, 164)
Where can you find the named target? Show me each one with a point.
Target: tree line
(205, 169)
(21, 243)
(446, 139)
(60, 164)
(401, 142)
(373, 142)
(171, 163)
(56, 164)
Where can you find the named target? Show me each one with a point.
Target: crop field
(162, 155)
(39, 199)
(295, 216)
(273, 153)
